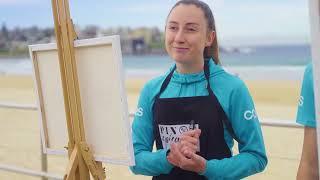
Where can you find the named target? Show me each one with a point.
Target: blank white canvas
(52, 102)
(103, 99)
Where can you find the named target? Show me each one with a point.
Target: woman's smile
(181, 49)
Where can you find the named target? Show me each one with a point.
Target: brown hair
(213, 50)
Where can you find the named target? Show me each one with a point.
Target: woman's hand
(190, 162)
(189, 141)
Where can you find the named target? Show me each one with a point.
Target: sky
(237, 21)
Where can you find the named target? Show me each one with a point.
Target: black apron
(172, 116)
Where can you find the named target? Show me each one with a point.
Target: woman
(306, 116)
(194, 111)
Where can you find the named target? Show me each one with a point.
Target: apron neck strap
(166, 81)
(207, 75)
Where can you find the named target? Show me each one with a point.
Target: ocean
(260, 62)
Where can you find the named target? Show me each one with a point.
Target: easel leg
(72, 166)
(83, 169)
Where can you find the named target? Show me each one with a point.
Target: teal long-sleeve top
(306, 114)
(236, 101)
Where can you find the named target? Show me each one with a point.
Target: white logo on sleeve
(250, 114)
(301, 99)
(139, 112)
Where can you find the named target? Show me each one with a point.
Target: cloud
(263, 18)
(214, 3)
(145, 8)
(17, 2)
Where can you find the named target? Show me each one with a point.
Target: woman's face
(186, 34)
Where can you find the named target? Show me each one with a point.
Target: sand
(20, 140)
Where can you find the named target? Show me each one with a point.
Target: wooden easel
(81, 159)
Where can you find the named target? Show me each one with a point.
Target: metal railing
(18, 106)
(29, 172)
(43, 173)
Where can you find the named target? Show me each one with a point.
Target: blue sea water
(260, 56)
(263, 56)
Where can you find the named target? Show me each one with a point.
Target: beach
(20, 131)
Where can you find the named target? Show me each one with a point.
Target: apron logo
(183, 129)
(301, 100)
(250, 114)
(171, 133)
(139, 112)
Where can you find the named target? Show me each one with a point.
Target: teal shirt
(236, 101)
(306, 110)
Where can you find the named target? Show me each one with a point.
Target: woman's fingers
(184, 145)
(193, 133)
(191, 137)
(195, 163)
(173, 156)
(197, 133)
(192, 140)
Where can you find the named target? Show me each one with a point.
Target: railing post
(44, 161)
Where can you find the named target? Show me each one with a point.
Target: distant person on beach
(308, 168)
(196, 110)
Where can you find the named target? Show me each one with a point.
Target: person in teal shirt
(306, 116)
(195, 111)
